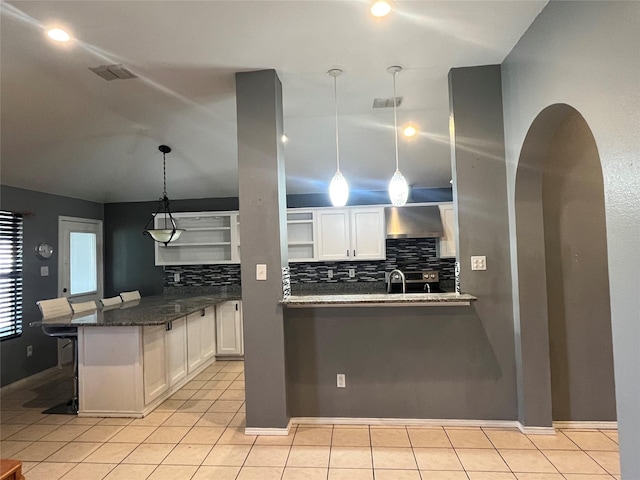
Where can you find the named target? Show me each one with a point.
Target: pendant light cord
(335, 100)
(395, 118)
(164, 174)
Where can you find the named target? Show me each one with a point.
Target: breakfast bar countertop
(378, 299)
(154, 310)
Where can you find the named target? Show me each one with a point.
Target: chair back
(129, 296)
(110, 302)
(56, 307)
(83, 307)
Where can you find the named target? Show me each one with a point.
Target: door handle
(64, 290)
(354, 253)
(347, 252)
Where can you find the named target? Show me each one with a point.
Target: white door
(177, 351)
(194, 343)
(333, 235)
(80, 259)
(154, 362)
(368, 234)
(208, 334)
(229, 329)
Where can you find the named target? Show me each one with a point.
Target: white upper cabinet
(301, 235)
(447, 243)
(356, 233)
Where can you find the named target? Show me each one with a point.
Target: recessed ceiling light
(380, 8)
(284, 138)
(58, 35)
(409, 131)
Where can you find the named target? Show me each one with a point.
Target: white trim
(23, 382)
(420, 422)
(269, 431)
(536, 430)
(586, 425)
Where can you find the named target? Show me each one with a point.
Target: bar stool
(111, 302)
(60, 307)
(130, 296)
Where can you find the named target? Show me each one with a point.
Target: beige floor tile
(216, 419)
(55, 420)
(111, 453)
(173, 472)
(7, 430)
(217, 385)
(277, 439)
(260, 473)
(351, 437)
(66, 433)
(196, 406)
(38, 451)
(9, 449)
(267, 456)
(397, 474)
(236, 385)
(74, 452)
(389, 437)
(115, 421)
(205, 376)
(612, 434)
(231, 376)
(428, 437)
(481, 460)
(240, 420)
(130, 472)
(167, 435)
(594, 440)
(234, 367)
(83, 421)
(207, 472)
(149, 453)
(232, 395)
(509, 439)
(50, 470)
(351, 457)
(394, 458)
(187, 454)
(26, 418)
(133, 434)
(468, 438)
(206, 394)
(559, 441)
(226, 406)
(154, 419)
(572, 461)
(437, 459)
(349, 474)
(194, 385)
(442, 475)
(89, 471)
(610, 461)
(183, 394)
(297, 473)
(26, 466)
(182, 419)
(203, 435)
(539, 476)
(309, 435)
(236, 436)
(99, 433)
(33, 433)
(227, 455)
(491, 476)
(582, 476)
(309, 456)
(170, 405)
(532, 461)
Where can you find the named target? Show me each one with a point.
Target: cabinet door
(177, 351)
(194, 345)
(367, 234)
(447, 243)
(333, 235)
(155, 373)
(229, 329)
(208, 333)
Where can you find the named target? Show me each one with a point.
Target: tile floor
(198, 435)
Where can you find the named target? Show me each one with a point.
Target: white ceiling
(69, 132)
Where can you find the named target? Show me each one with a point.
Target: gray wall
(585, 54)
(581, 348)
(41, 226)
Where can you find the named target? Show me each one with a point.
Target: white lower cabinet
(229, 333)
(177, 351)
(154, 353)
(201, 337)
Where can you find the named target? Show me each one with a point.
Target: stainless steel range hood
(413, 222)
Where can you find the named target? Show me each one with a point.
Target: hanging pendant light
(338, 188)
(398, 187)
(169, 232)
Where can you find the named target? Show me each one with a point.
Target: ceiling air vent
(113, 72)
(386, 102)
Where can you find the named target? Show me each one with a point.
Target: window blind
(10, 274)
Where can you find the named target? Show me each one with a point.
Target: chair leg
(69, 407)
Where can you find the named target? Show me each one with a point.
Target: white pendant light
(398, 187)
(338, 188)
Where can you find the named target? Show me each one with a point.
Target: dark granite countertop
(378, 299)
(155, 310)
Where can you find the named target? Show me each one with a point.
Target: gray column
(263, 239)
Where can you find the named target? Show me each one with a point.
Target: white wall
(587, 55)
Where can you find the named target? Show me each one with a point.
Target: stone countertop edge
(154, 310)
(382, 299)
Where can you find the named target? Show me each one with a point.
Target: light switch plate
(176, 277)
(479, 262)
(44, 271)
(329, 273)
(261, 271)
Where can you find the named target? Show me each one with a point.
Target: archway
(566, 354)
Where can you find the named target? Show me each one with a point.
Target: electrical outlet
(329, 273)
(352, 272)
(176, 277)
(29, 350)
(478, 262)
(341, 380)
(44, 271)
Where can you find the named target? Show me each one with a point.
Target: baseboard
(586, 425)
(536, 430)
(268, 431)
(412, 422)
(36, 377)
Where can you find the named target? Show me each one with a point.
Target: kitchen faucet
(427, 288)
(396, 275)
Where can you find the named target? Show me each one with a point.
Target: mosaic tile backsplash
(407, 254)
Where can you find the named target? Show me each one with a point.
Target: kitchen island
(379, 300)
(132, 358)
